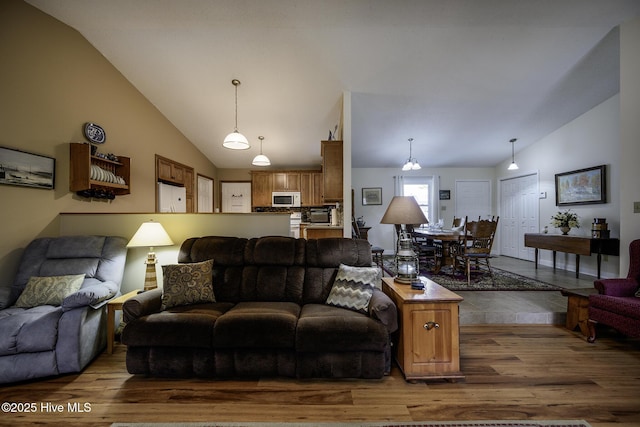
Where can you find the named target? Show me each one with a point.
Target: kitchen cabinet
(261, 188)
(89, 172)
(169, 171)
(172, 172)
(286, 181)
(332, 170)
(311, 185)
(427, 344)
(322, 231)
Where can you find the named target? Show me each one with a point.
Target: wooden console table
(573, 245)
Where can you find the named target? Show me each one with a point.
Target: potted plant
(565, 221)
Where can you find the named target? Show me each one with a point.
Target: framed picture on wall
(582, 186)
(372, 196)
(26, 169)
(445, 195)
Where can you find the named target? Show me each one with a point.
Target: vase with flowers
(565, 221)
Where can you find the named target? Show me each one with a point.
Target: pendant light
(513, 166)
(261, 159)
(235, 140)
(411, 163)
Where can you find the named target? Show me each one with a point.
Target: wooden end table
(112, 306)
(428, 341)
(578, 308)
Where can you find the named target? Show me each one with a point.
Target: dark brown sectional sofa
(270, 317)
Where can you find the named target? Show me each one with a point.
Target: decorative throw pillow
(51, 290)
(353, 288)
(185, 284)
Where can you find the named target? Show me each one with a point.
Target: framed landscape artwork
(372, 196)
(26, 169)
(582, 186)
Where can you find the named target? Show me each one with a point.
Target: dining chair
(376, 251)
(477, 241)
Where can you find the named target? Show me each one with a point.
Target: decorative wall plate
(94, 133)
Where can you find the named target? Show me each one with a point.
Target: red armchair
(616, 303)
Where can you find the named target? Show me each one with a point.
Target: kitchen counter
(321, 231)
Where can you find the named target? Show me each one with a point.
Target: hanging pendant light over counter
(235, 140)
(261, 159)
(513, 166)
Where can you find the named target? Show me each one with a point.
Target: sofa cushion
(353, 287)
(185, 284)
(258, 325)
(48, 290)
(182, 326)
(29, 330)
(324, 328)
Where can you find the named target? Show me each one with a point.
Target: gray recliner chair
(47, 340)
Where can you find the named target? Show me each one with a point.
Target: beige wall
(52, 81)
(179, 227)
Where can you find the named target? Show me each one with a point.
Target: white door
(236, 196)
(205, 194)
(473, 199)
(518, 215)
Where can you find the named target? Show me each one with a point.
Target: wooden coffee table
(578, 308)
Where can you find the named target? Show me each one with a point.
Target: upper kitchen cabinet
(261, 188)
(286, 181)
(311, 184)
(332, 167)
(175, 173)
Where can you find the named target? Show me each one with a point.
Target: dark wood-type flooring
(513, 372)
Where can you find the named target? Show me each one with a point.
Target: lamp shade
(404, 210)
(236, 141)
(261, 160)
(150, 234)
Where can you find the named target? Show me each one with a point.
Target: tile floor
(537, 307)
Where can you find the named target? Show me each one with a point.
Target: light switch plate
(636, 207)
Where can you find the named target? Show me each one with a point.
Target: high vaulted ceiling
(461, 77)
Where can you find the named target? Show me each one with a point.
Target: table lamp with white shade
(151, 234)
(405, 210)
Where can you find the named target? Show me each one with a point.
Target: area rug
(532, 423)
(502, 280)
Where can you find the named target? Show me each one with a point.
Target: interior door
(473, 199)
(519, 206)
(236, 196)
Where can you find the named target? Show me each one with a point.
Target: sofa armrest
(382, 308)
(142, 304)
(616, 287)
(95, 295)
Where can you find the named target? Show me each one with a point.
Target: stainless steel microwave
(285, 199)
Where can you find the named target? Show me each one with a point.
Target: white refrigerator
(171, 198)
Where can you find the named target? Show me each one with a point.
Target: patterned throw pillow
(51, 290)
(185, 284)
(353, 288)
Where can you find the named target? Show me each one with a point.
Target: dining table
(447, 237)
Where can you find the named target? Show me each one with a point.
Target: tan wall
(52, 81)
(179, 227)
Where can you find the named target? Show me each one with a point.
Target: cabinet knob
(430, 325)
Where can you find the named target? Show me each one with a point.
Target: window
(419, 189)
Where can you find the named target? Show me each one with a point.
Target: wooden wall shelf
(80, 176)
